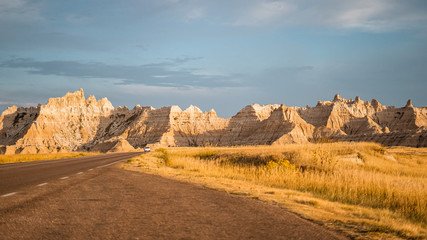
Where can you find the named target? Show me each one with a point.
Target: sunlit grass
(383, 180)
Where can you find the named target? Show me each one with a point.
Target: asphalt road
(93, 198)
(14, 176)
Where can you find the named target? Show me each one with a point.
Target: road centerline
(8, 194)
(18, 177)
(106, 165)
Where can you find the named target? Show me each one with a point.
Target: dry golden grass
(38, 157)
(382, 194)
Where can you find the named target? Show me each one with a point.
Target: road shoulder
(240, 189)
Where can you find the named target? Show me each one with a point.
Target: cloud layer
(227, 52)
(166, 74)
(369, 15)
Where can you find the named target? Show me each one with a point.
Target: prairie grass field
(363, 189)
(43, 156)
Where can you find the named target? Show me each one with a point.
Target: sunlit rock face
(62, 124)
(72, 122)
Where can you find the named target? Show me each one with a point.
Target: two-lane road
(93, 198)
(16, 176)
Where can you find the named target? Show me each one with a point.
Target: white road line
(79, 173)
(35, 163)
(64, 178)
(8, 194)
(42, 184)
(106, 165)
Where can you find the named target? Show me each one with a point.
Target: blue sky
(213, 54)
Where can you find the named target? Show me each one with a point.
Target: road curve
(112, 203)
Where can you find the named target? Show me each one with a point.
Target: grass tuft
(163, 154)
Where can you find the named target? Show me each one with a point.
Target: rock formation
(113, 145)
(63, 124)
(72, 123)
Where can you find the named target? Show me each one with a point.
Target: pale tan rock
(122, 146)
(192, 127)
(75, 123)
(386, 130)
(283, 126)
(63, 123)
(113, 145)
(240, 127)
(10, 150)
(29, 150)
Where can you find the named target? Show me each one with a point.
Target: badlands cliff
(73, 123)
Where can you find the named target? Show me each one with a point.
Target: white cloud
(372, 15)
(365, 15)
(263, 13)
(160, 76)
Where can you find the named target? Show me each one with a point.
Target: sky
(222, 54)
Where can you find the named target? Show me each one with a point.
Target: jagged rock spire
(337, 97)
(357, 100)
(409, 103)
(375, 103)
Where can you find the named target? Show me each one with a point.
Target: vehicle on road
(147, 149)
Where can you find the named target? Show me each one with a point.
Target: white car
(147, 149)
